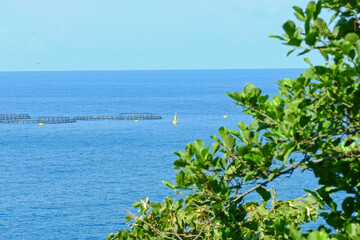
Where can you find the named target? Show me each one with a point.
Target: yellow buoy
(175, 120)
(41, 124)
(136, 120)
(95, 116)
(225, 116)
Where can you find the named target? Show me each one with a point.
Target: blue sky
(143, 34)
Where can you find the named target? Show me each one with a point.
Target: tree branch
(151, 226)
(237, 197)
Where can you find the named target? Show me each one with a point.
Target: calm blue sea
(71, 181)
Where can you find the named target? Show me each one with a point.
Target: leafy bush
(314, 116)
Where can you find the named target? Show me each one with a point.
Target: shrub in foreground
(314, 117)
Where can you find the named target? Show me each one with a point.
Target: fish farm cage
(26, 119)
(121, 116)
(14, 116)
(55, 120)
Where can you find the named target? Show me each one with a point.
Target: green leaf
(254, 124)
(136, 204)
(351, 37)
(299, 13)
(169, 184)
(216, 147)
(215, 139)
(180, 163)
(304, 52)
(155, 207)
(235, 133)
(307, 61)
(353, 229)
(321, 26)
(223, 131)
(310, 10)
(248, 88)
(265, 194)
(242, 126)
(289, 28)
(275, 36)
(253, 225)
(325, 55)
(178, 204)
(180, 179)
(189, 150)
(199, 145)
(347, 47)
(348, 206)
(220, 163)
(290, 52)
(294, 42)
(357, 47)
(307, 25)
(318, 235)
(286, 150)
(110, 236)
(261, 210)
(311, 38)
(318, 8)
(249, 176)
(333, 17)
(128, 218)
(304, 121)
(229, 142)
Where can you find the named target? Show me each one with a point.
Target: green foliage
(315, 117)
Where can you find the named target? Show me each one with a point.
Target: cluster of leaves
(315, 117)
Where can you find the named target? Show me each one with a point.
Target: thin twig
(242, 195)
(264, 115)
(155, 229)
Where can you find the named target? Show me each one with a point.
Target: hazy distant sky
(143, 34)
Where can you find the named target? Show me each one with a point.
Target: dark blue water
(71, 181)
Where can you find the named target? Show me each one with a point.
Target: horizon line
(119, 70)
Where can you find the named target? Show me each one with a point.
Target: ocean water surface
(72, 181)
